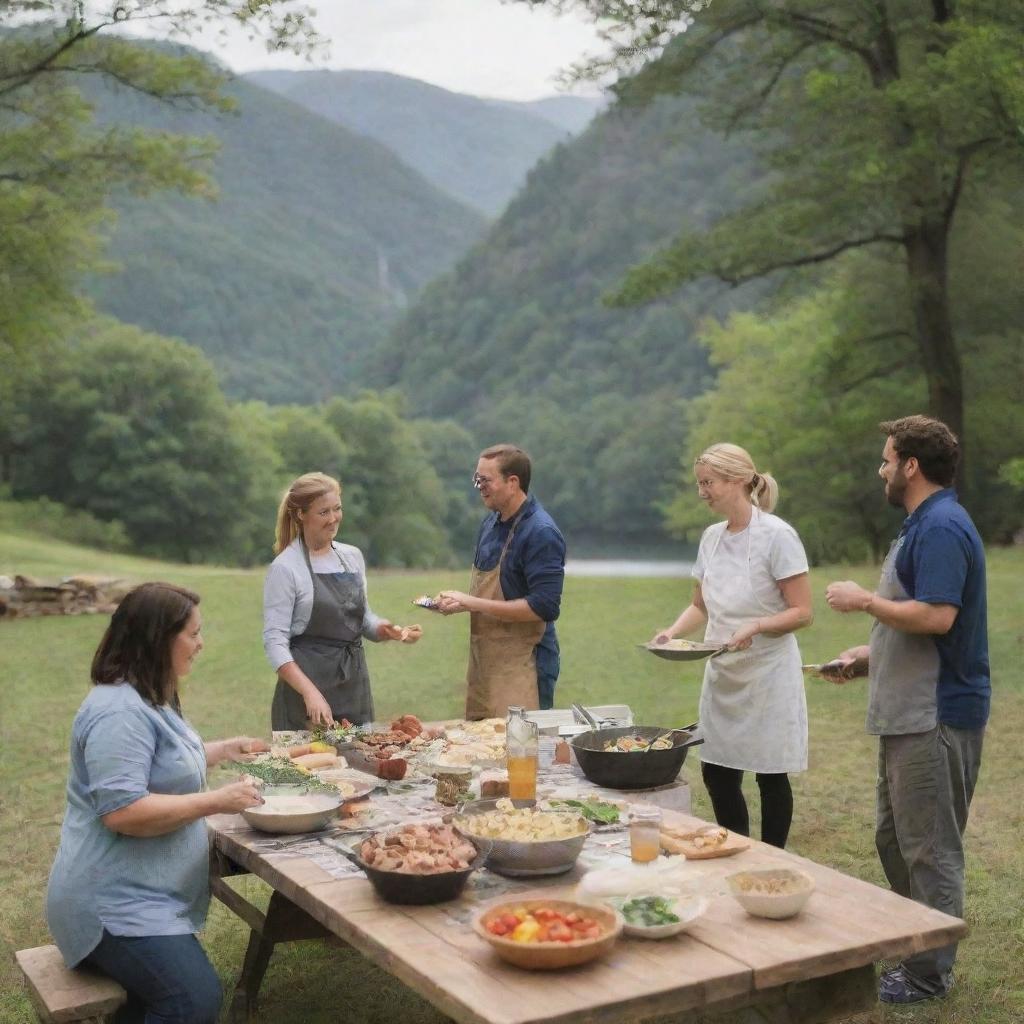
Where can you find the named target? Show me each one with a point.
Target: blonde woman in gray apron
(316, 615)
(752, 592)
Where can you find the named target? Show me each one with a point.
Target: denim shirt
(123, 749)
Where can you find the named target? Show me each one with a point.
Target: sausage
(314, 761)
(298, 751)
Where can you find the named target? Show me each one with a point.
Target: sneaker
(899, 986)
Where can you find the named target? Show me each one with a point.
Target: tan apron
(502, 664)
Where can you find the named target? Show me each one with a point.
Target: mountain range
(478, 150)
(317, 241)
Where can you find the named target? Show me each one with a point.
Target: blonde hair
(304, 490)
(732, 462)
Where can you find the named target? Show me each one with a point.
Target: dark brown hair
(931, 442)
(512, 461)
(136, 647)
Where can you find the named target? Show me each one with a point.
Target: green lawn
(45, 665)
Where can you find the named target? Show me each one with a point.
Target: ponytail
(732, 462)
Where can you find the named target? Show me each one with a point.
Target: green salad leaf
(649, 911)
(592, 810)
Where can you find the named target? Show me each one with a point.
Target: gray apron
(903, 668)
(330, 652)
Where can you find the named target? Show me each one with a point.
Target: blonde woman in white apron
(752, 592)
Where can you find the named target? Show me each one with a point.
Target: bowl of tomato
(545, 934)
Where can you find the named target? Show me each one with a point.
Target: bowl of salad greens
(658, 916)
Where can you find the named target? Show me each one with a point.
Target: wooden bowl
(550, 956)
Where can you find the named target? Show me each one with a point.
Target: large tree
(58, 167)
(874, 117)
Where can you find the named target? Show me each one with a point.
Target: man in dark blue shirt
(928, 683)
(515, 594)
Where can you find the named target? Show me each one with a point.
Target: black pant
(725, 787)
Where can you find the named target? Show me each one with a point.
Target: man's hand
(847, 596)
(851, 663)
(450, 602)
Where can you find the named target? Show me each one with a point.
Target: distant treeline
(133, 430)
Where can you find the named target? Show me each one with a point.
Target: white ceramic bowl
(293, 813)
(775, 893)
(688, 910)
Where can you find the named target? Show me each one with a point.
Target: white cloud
(484, 47)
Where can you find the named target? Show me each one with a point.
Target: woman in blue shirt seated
(129, 888)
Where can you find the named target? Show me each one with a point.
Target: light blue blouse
(123, 749)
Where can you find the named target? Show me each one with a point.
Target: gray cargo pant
(925, 784)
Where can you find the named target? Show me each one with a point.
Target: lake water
(626, 567)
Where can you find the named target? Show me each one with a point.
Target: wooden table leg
(816, 1001)
(282, 922)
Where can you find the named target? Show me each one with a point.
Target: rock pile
(23, 596)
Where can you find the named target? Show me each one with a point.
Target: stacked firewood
(23, 596)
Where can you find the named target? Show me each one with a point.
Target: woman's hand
(663, 636)
(743, 637)
(318, 711)
(237, 748)
(237, 796)
(388, 631)
(410, 634)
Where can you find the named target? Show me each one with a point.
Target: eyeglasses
(479, 481)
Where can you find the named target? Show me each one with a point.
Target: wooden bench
(63, 996)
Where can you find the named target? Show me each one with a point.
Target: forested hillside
(517, 343)
(316, 241)
(477, 150)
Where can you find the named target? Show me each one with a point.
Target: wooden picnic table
(816, 967)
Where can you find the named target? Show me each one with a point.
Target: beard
(896, 489)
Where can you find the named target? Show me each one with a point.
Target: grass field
(45, 664)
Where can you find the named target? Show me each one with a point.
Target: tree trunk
(927, 272)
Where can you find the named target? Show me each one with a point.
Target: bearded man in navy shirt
(929, 686)
(515, 592)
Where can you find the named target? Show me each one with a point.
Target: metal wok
(636, 769)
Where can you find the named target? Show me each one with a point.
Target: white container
(753, 891)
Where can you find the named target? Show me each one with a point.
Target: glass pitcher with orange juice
(521, 746)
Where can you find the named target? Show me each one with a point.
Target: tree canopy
(874, 118)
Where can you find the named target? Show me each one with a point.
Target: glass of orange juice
(522, 778)
(522, 749)
(644, 834)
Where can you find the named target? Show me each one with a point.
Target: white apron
(753, 711)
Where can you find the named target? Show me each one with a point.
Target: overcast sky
(482, 47)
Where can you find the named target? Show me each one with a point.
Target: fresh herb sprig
(278, 771)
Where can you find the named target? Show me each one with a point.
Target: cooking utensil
(695, 652)
(584, 716)
(663, 736)
(619, 770)
(322, 807)
(415, 890)
(518, 859)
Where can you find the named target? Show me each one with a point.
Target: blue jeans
(168, 978)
